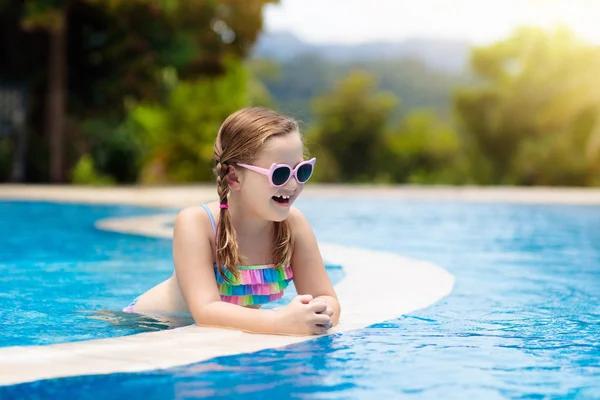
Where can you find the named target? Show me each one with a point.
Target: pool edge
(397, 284)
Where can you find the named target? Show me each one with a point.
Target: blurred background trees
(90, 64)
(535, 118)
(133, 91)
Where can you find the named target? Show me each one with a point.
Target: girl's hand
(303, 317)
(328, 310)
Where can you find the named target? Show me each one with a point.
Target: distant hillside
(444, 55)
(421, 73)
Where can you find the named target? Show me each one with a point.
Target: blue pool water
(57, 270)
(63, 280)
(523, 320)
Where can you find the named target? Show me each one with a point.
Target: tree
(105, 53)
(178, 135)
(51, 16)
(350, 126)
(423, 150)
(535, 119)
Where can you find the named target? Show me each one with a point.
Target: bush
(84, 173)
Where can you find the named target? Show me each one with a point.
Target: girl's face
(259, 196)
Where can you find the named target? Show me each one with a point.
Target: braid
(282, 249)
(227, 249)
(222, 186)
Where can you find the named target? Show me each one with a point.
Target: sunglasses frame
(293, 171)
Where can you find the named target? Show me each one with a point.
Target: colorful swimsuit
(255, 285)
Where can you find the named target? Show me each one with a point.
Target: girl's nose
(292, 184)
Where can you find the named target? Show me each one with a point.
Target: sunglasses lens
(280, 176)
(304, 172)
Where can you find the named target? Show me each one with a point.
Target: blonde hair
(241, 138)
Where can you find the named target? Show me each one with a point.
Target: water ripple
(522, 322)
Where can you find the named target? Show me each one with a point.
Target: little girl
(234, 255)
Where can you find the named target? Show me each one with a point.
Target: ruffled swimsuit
(255, 284)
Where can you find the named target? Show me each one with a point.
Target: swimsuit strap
(212, 219)
(212, 222)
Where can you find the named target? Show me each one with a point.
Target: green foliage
(114, 147)
(355, 139)
(327, 168)
(118, 53)
(535, 120)
(178, 136)
(85, 173)
(424, 151)
(350, 124)
(150, 81)
(43, 14)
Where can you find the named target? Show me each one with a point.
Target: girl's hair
(241, 138)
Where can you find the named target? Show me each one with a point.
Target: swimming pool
(522, 321)
(63, 280)
(57, 270)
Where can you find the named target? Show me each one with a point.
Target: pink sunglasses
(280, 174)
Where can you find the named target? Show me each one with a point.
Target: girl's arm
(193, 259)
(192, 255)
(310, 276)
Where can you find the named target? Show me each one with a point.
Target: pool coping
(186, 195)
(377, 287)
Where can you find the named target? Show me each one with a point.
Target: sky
(478, 21)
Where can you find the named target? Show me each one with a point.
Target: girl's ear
(234, 178)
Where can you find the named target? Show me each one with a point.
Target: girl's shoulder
(195, 220)
(200, 212)
(298, 223)
(295, 215)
